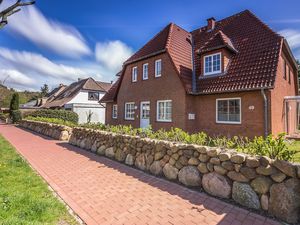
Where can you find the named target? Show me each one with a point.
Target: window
(115, 112)
(145, 71)
(134, 74)
(164, 111)
(93, 96)
(228, 110)
(212, 64)
(129, 111)
(158, 68)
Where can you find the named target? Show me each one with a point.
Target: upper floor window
(115, 112)
(164, 111)
(129, 111)
(289, 75)
(145, 71)
(134, 74)
(212, 64)
(228, 111)
(158, 68)
(93, 96)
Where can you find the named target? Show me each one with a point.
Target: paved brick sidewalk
(102, 191)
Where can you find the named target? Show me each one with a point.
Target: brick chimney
(211, 22)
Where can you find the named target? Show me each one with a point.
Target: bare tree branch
(4, 14)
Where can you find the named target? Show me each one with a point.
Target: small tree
(44, 90)
(14, 102)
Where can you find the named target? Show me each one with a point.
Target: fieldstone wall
(255, 182)
(55, 131)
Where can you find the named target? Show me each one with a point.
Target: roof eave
(231, 91)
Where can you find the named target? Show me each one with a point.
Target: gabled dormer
(216, 54)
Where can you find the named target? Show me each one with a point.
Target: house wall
(166, 87)
(204, 106)
(82, 97)
(81, 105)
(282, 88)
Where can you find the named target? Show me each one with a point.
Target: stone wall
(255, 182)
(258, 183)
(55, 131)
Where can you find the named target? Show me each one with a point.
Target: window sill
(164, 121)
(228, 122)
(129, 119)
(203, 76)
(157, 76)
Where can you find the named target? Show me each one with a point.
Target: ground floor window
(228, 110)
(164, 111)
(129, 111)
(115, 112)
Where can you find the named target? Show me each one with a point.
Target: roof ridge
(169, 35)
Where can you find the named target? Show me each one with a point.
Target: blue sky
(60, 41)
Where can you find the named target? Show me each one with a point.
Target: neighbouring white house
(83, 98)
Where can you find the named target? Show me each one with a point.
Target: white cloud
(57, 37)
(39, 64)
(15, 77)
(112, 54)
(293, 38)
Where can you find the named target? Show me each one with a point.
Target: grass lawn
(24, 197)
(295, 145)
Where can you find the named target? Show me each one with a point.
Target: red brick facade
(252, 59)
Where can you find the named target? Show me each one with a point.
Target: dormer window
(212, 64)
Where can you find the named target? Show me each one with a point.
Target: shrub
(4, 116)
(58, 114)
(16, 116)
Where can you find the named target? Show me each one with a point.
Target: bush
(4, 116)
(16, 116)
(58, 114)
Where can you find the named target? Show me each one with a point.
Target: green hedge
(58, 114)
(52, 120)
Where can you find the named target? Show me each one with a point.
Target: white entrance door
(145, 114)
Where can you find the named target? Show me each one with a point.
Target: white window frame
(115, 111)
(134, 74)
(156, 69)
(229, 122)
(145, 75)
(204, 65)
(157, 111)
(125, 107)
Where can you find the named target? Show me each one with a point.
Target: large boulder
(189, 176)
(101, 150)
(217, 185)
(284, 200)
(261, 184)
(243, 194)
(170, 172)
(156, 168)
(109, 152)
(140, 162)
(120, 155)
(129, 160)
(285, 167)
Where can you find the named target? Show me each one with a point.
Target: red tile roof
(252, 66)
(255, 64)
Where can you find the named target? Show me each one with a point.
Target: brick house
(228, 78)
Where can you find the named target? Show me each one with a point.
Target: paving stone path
(102, 191)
